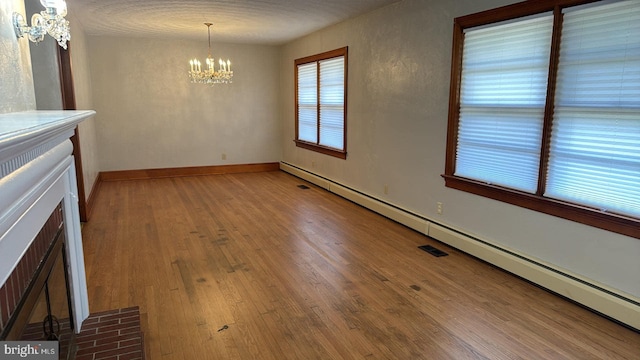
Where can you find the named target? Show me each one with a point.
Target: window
(545, 109)
(321, 107)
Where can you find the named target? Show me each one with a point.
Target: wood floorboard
(249, 266)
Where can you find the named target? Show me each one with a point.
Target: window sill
(321, 149)
(612, 222)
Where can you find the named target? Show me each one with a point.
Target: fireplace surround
(37, 182)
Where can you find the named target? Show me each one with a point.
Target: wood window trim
(67, 91)
(342, 154)
(579, 213)
(321, 149)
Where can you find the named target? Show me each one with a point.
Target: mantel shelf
(21, 131)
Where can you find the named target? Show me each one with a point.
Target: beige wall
(84, 101)
(150, 116)
(16, 82)
(399, 66)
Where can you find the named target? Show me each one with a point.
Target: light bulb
(59, 5)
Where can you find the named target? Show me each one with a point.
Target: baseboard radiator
(619, 307)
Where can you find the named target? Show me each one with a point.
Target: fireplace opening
(36, 299)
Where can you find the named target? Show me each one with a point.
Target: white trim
(30, 195)
(32, 185)
(75, 253)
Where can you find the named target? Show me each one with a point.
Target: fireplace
(40, 238)
(36, 299)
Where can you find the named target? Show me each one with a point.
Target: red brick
(4, 307)
(102, 313)
(98, 349)
(109, 317)
(117, 351)
(120, 327)
(118, 338)
(130, 330)
(130, 342)
(132, 356)
(88, 332)
(27, 273)
(90, 328)
(105, 323)
(112, 335)
(130, 319)
(114, 357)
(90, 320)
(128, 315)
(85, 343)
(94, 336)
(11, 296)
(18, 278)
(85, 357)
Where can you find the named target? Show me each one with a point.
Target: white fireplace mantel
(37, 172)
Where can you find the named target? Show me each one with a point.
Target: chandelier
(50, 21)
(210, 75)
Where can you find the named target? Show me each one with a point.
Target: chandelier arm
(49, 21)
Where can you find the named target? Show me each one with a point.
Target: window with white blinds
(320, 102)
(503, 92)
(546, 109)
(595, 139)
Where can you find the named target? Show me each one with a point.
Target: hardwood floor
(250, 266)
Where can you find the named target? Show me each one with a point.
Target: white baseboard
(605, 301)
(621, 307)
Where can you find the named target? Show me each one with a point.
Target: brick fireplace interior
(35, 299)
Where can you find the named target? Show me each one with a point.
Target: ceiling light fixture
(209, 75)
(50, 21)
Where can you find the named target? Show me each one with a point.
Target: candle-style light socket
(49, 21)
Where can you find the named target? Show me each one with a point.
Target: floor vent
(433, 251)
(303, 187)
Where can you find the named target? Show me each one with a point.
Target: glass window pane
(332, 103)
(595, 149)
(502, 100)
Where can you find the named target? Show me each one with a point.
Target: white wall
(150, 116)
(16, 82)
(399, 68)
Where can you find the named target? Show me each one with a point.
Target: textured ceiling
(234, 21)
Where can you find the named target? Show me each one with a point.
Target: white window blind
(332, 103)
(308, 102)
(595, 149)
(502, 99)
